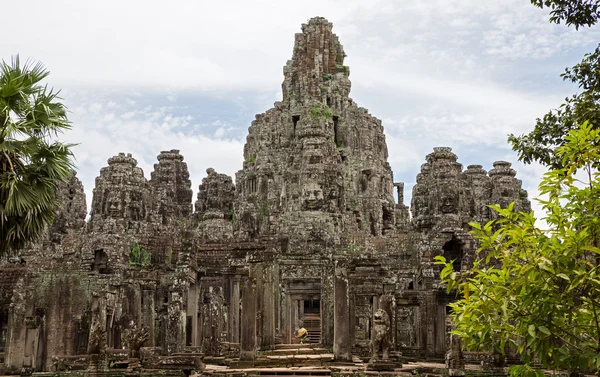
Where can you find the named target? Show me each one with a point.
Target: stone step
(291, 373)
(295, 345)
(324, 356)
(315, 360)
(297, 351)
(294, 372)
(298, 373)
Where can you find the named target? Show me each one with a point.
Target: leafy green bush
(139, 257)
(320, 110)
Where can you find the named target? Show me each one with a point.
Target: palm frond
(32, 164)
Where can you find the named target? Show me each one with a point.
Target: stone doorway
(303, 308)
(310, 317)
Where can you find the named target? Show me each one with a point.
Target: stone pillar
(431, 307)
(175, 323)
(234, 310)
(148, 315)
(286, 318)
(192, 310)
(268, 308)
(341, 315)
(400, 190)
(248, 322)
(295, 324)
(387, 303)
(327, 306)
(276, 305)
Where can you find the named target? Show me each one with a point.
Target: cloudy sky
(145, 76)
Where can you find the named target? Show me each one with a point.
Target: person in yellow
(302, 335)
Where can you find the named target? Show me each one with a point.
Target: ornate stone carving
(313, 197)
(97, 339)
(455, 362)
(380, 336)
(134, 338)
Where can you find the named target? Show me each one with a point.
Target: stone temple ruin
(309, 236)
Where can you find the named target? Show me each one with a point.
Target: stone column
(192, 310)
(400, 190)
(248, 322)
(431, 306)
(175, 323)
(148, 315)
(341, 315)
(327, 306)
(268, 308)
(387, 303)
(286, 318)
(234, 310)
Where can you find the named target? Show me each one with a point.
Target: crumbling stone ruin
(310, 234)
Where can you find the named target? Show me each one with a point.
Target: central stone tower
(315, 166)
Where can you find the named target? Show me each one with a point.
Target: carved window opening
(252, 186)
(284, 242)
(373, 225)
(358, 219)
(453, 252)
(364, 183)
(295, 119)
(188, 330)
(163, 213)
(336, 134)
(328, 101)
(411, 286)
(100, 262)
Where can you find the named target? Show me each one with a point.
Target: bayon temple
(308, 236)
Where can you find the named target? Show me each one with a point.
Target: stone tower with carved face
(315, 165)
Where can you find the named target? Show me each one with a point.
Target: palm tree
(32, 162)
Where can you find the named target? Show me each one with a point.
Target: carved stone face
(114, 205)
(419, 204)
(448, 202)
(380, 317)
(313, 197)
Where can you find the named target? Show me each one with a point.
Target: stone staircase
(312, 324)
(288, 355)
(296, 372)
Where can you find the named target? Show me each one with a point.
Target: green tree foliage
(32, 162)
(549, 133)
(571, 12)
(539, 290)
(139, 257)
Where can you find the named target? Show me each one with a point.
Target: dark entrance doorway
(3, 329)
(310, 317)
(453, 252)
